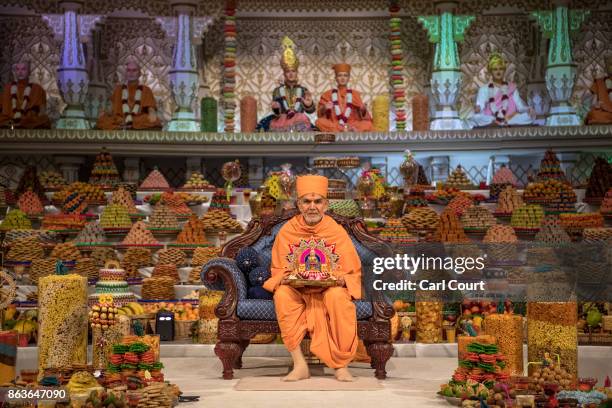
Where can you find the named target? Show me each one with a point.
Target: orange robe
(328, 121)
(603, 114)
(329, 317)
(139, 121)
(32, 118)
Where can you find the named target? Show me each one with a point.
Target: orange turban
(342, 68)
(311, 184)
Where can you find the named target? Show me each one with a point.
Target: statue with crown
(291, 102)
(498, 103)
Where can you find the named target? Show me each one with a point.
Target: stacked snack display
(155, 181)
(115, 216)
(394, 231)
(101, 255)
(574, 224)
(198, 182)
(555, 195)
(139, 235)
(600, 180)
(192, 233)
(450, 229)
(15, 220)
(166, 270)
(25, 250)
(551, 231)
(74, 203)
(219, 201)
(550, 168)
(459, 204)
(158, 288)
(112, 282)
(163, 218)
(176, 204)
(528, 216)
(346, 208)
(87, 267)
(551, 330)
(29, 181)
(104, 172)
(92, 234)
(123, 197)
(200, 257)
(93, 194)
(499, 237)
(508, 330)
(459, 180)
(134, 259)
(551, 373)
(501, 179)
(416, 198)
(477, 218)
(509, 200)
(421, 219)
(172, 256)
(218, 220)
(63, 222)
(51, 180)
(62, 316)
(429, 322)
(66, 251)
(40, 268)
(606, 205)
(30, 204)
(597, 234)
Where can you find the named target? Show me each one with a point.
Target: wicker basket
(182, 329)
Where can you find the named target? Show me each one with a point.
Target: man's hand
(340, 282)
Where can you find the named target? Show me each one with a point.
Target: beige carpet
(324, 383)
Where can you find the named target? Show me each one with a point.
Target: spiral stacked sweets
(15, 220)
(394, 231)
(397, 66)
(380, 113)
(551, 232)
(176, 204)
(163, 217)
(154, 181)
(25, 249)
(208, 114)
(420, 112)
(527, 216)
(158, 288)
(101, 255)
(550, 168)
(51, 180)
(172, 256)
(30, 204)
(422, 218)
(458, 179)
(219, 200)
(91, 234)
(198, 182)
(229, 66)
(62, 337)
(134, 259)
(40, 268)
(93, 194)
(104, 172)
(123, 197)
(87, 267)
(218, 220)
(75, 203)
(66, 251)
(192, 233)
(509, 200)
(554, 194)
(477, 217)
(115, 216)
(166, 270)
(139, 235)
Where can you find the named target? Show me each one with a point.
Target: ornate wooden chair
(240, 318)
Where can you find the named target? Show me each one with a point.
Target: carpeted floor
(318, 383)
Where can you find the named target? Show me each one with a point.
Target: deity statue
(601, 110)
(498, 103)
(23, 102)
(133, 105)
(312, 263)
(290, 100)
(342, 109)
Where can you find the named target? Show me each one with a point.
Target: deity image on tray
(290, 100)
(498, 103)
(23, 102)
(601, 110)
(342, 109)
(312, 260)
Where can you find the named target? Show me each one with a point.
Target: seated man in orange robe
(133, 105)
(23, 102)
(327, 315)
(342, 109)
(601, 112)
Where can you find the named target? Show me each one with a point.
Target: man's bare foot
(299, 372)
(343, 374)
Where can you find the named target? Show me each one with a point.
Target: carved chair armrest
(224, 274)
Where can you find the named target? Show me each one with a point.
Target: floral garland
(127, 113)
(17, 113)
(229, 66)
(297, 105)
(343, 117)
(500, 114)
(397, 66)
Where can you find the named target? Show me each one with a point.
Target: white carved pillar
(69, 166)
(193, 165)
(131, 169)
(537, 94)
(96, 95)
(72, 77)
(256, 171)
(439, 168)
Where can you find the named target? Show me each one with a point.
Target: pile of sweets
(25, 250)
(102, 255)
(139, 235)
(477, 217)
(550, 168)
(176, 204)
(87, 267)
(104, 172)
(134, 259)
(551, 231)
(166, 270)
(198, 182)
(115, 216)
(423, 218)
(161, 288)
(606, 204)
(450, 229)
(200, 257)
(219, 220)
(90, 235)
(172, 256)
(30, 204)
(93, 194)
(556, 195)
(154, 181)
(577, 222)
(193, 232)
(44, 237)
(597, 234)
(509, 200)
(163, 218)
(40, 268)
(112, 282)
(500, 234)
(600, 179)
(66, 251)
(219, 201)
(136, 356)
(63, 222)
(29, 181)
(75, 203)
(15, 220)
(394, 231)
(51, 180)
(123, 197)
(346, 208)
(192, 198)
(528, 216)
(501, 179)
(459, 180)
(416, 198)
(459, 204)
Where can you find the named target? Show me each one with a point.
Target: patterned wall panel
(12, 167)
(417, 57)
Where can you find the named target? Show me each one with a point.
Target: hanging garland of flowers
(397, 66)
(229, 66)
